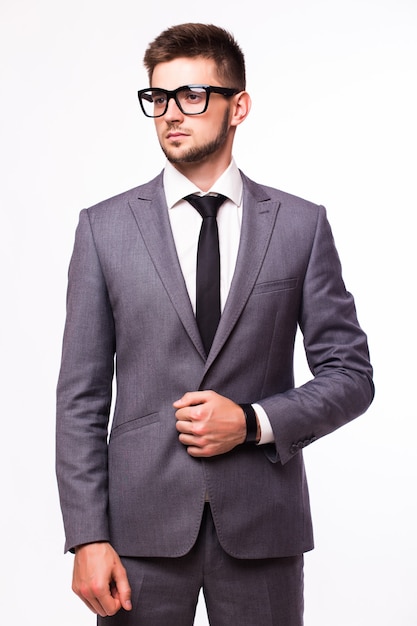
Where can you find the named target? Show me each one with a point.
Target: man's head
(197, 97)
(199, 40)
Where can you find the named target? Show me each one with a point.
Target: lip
(175, 134)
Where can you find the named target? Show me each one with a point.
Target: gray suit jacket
(128, 304)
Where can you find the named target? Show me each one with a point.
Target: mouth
(175, 134)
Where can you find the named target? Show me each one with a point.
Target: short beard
(198, 154)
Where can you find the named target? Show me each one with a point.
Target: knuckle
(199, 430)
(81, 590)
(199, 412)
(97, 589)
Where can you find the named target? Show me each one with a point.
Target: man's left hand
(209, 424)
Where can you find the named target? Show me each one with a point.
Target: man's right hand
(100, 579)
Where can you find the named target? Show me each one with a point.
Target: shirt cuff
(267, 434)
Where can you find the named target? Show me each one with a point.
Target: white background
(334, 120)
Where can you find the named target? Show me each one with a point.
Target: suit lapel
(258, 219)
(151, 214)
(259, 215)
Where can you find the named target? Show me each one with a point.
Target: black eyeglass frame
(227, 92)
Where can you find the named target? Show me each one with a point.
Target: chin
(174, 156)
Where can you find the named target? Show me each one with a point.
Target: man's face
(187, 139)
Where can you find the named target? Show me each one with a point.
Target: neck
(203, 175)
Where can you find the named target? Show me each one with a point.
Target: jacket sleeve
(337, 352)
(84, 396)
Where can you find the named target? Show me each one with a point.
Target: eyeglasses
(190, 99)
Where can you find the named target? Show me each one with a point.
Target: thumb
(121, 588)
(191, 398)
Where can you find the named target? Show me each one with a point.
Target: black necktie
(208, 267)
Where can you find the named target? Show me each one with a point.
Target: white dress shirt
(186, 224)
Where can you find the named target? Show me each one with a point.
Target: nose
(173, 112)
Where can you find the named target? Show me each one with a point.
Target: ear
(241, 107)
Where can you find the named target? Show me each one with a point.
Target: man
(202, 483)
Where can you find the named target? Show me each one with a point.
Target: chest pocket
(284, 284)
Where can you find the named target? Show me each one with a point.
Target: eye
(159, 99)
(192, 96)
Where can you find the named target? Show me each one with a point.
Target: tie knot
(207, 206)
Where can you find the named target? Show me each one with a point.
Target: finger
(191, 398)
(89, 605)
(191, 440)
(99, 603)
(99, 598)
(109, 604)
(183, 415)
(204, 452)
(83, 592)
(121, 588)
(184, 426)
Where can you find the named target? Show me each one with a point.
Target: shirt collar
(177, 186)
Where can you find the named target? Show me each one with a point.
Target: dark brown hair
(199, 40)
